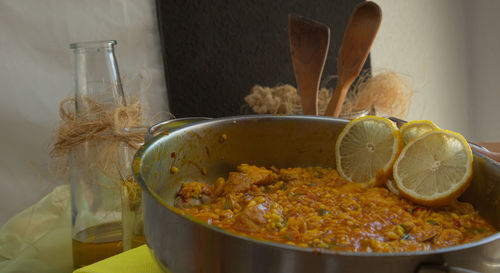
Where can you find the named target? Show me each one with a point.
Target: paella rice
(315, 207)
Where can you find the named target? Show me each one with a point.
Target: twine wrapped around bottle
(103, 125)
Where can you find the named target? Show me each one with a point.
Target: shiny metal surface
(183, 244)
(172, 124)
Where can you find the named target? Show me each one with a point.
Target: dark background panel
(215, 51)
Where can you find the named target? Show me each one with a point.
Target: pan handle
(171, 125)
(442, 268)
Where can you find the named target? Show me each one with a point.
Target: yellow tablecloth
(137, 260)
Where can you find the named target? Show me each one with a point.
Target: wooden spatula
(358, 39)
(309, 41)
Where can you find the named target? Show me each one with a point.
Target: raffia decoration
(96, 123)
(387, 92)
(106, 129)
(281, 99)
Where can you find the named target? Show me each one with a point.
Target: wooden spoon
(309, 42)
(358, 39)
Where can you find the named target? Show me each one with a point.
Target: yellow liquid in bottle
(138, 240)
(97, 243)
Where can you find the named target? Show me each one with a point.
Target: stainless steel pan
(181, 243)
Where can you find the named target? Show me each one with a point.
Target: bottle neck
(96, 74)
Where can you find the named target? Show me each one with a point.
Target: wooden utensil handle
(308, 89)
(335, 105)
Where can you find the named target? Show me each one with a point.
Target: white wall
(425, 41)
(450, 51)
(36, 74)
(483, 39)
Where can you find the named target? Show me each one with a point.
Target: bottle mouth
(93, 44)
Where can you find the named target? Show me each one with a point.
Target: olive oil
(138, 240)
(97, 243)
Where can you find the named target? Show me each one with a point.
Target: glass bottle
(133, 232)
(95, 195)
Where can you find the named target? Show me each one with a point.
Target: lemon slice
(434, 169)
(391, 186)
(416, 128)
(366, 149)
